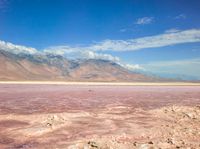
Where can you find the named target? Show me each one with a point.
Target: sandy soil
(104, 117)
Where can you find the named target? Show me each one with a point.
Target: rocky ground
(91, 117)
(174, 127)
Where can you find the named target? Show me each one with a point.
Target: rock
(93, 144)
(49, 124)
(170, 141)
(150, 142)
(135, 143)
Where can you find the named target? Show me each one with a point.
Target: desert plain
(99, 116)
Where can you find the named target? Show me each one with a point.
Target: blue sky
(160, 36)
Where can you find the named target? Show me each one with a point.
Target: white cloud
(61, 50)
(172, 30)
(161, 40)
(7, 46)
(180, 16)
(132, 66)
(94, 55)
(168, 38)
(144, 20)
(79, 53)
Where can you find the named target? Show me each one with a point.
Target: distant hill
(50, 67)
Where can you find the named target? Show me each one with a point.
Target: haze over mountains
(24, 65)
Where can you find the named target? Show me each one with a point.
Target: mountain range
(52, 67)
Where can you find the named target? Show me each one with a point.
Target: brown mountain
(43, 67)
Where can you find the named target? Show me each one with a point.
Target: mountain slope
(16, 68)
(102, 70)
(58, 68)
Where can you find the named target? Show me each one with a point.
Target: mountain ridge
(45, 67)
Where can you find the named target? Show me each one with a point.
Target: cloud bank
(168, 38)
(133, 67)
(162, 40)
(94, 55)
(7, 46)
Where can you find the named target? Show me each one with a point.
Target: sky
(157, 36)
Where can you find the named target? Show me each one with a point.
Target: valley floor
(105, 83)
(60, 116)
